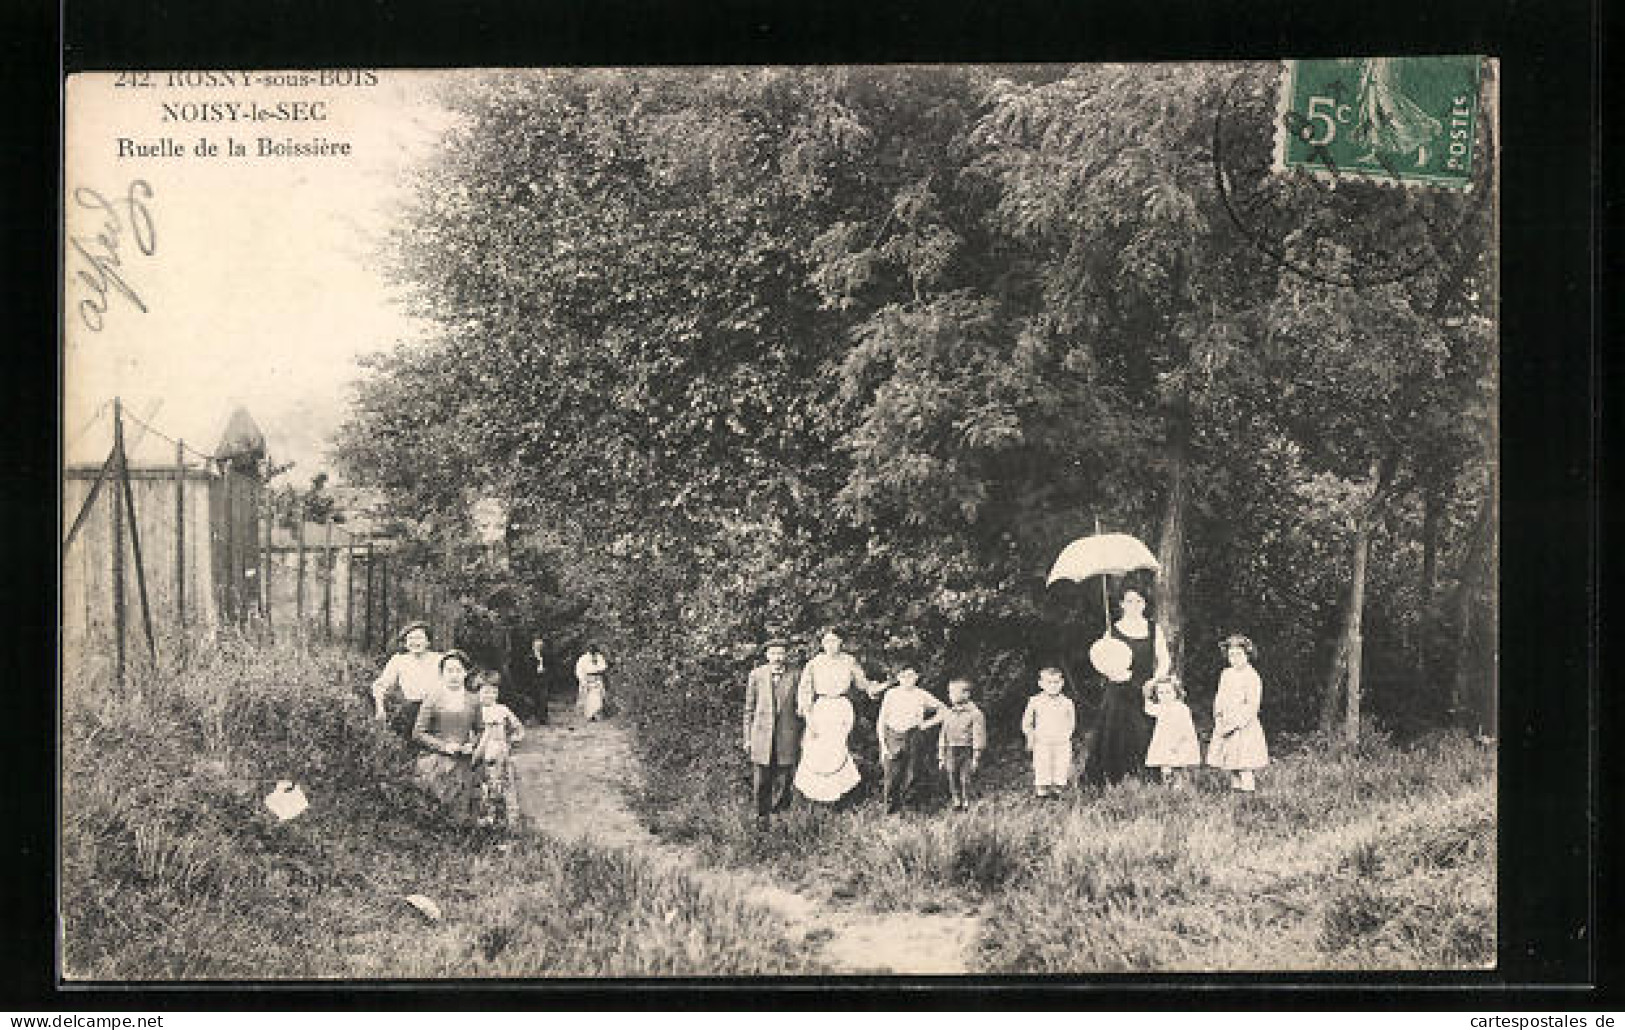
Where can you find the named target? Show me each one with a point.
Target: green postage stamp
(1401, 120)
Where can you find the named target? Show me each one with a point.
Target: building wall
(87, 565)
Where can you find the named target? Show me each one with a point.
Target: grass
(172, 868)
(1377, 861)
(1378, 858)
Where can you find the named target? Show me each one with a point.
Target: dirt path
(574, 777)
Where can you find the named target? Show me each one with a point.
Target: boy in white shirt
(1047, 724)
(905, 714)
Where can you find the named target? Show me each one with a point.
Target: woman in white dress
(592, 670)
(1238, 740)
(826, 771)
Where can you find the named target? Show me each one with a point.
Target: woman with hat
(411, 675)
(1124, 732)
(444, 730)
(1238, 745)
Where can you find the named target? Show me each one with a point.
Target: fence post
(383, 597)
(366, 631)
(118, 544)
(180, 542)
(327, 581)
(228, 605)
(267, 600)
(349, 589)
(299, 580)
(135, 542)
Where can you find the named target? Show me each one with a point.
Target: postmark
(1406, 121)
(1306, 191)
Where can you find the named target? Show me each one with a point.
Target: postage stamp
(1408, 121)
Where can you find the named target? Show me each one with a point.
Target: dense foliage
(755, 351)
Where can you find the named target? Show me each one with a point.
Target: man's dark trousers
(770, 784)
(901, 766)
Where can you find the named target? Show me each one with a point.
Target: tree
(743, 351)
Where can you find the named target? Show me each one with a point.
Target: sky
(264, 282)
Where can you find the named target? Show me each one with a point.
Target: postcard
(913, 521)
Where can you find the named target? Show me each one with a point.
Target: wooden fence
(157, 556)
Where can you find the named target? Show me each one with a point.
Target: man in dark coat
(772, 730)
(538, 678)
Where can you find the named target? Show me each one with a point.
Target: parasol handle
(1106, 604)
(1105, 599)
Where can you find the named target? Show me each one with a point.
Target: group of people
(797, 723)
(452, 712)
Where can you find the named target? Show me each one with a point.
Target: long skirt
(591, 700)
(451, 778)
(1123, 737)
(826, 771)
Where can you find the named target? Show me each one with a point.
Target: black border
(1550, 413)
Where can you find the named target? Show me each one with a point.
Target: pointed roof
(242, 437)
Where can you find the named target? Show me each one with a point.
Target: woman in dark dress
(1124, 731)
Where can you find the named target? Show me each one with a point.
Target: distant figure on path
(1238, 744)
(592, 671)
(826, 771)
(1125, 730)
(407, 679)
(772, 730)
(540, 689)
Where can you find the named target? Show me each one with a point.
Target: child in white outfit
(497, 729)
(1047, 724)
(1174, 747)
(1238, 744)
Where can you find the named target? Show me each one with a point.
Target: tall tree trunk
(1343, 678)
(1472, 571)
(1427, 627)
(1171, 543)
(1432, 510)
(1353, 641)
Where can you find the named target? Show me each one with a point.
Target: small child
(1238, 740)
(905, 714)
(497, 730)
(1047, 724)
(1173, 743)
(961, 742)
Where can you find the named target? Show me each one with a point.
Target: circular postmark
(1355, 173)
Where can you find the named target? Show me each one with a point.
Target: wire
(225, 465)
(155, 431)
(95, 416)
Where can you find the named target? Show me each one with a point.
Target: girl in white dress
(1238, 740)
(1174, 747)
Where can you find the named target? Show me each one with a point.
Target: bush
(173, 869)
